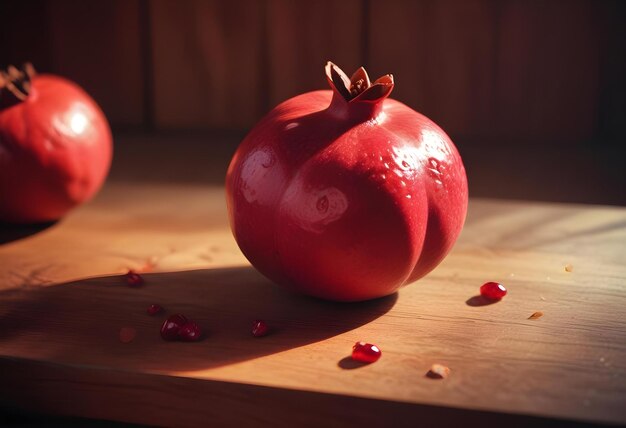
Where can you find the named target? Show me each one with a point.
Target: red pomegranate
(55, 146)
(346, 194)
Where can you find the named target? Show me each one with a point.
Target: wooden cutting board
(63, 304)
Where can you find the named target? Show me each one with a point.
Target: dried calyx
(358, 87)
(15, 84)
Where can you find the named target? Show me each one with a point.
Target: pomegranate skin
(346, 199)
(55, 151)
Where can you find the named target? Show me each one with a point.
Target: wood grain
(206, 69)
(63, 303)
(547, 81)
(493, 71)
(97, 45)
(445, 66)
(303, 36)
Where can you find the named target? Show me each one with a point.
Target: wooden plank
(207, 57)
(62, 304)
(302, 36)
(610, 17)
(494, 70)
(97, 44)
(548, 70)
(224, 404)
(24, 33)
(441, 54)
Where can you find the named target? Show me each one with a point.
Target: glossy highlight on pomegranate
(346, 194)
(55, 146)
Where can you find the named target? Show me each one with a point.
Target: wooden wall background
(546, 71)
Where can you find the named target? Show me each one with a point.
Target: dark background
(532, 92)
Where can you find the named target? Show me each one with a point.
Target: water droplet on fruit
(322, 204)
(268, 162)
(405, 164)
(291, 126)
(436, 169)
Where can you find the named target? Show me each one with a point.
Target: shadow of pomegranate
(10, 232)
(479, 300)
(79, 322)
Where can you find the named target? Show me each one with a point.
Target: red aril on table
(365, 352)
(190, 332)
(493, 290)
(260, 328)
(133, 278)
(172, 325)
(154, 309)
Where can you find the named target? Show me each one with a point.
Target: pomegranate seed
(493, 290)
(190, 332)
(260, 328)
(127, 334)
(365, 352)
(171, 326)
(133, 278)
(154, 309)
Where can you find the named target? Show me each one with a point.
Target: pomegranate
(346, 194)
(55, 146)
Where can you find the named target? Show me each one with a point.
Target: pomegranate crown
(358, 88)
(15, 84)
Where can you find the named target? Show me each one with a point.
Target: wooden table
(63, 303)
